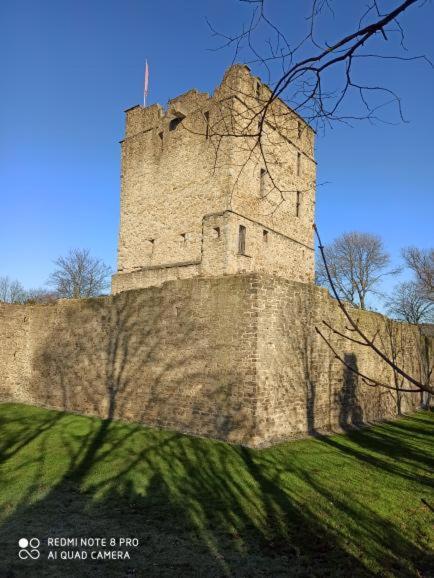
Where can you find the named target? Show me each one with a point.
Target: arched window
(176, 121)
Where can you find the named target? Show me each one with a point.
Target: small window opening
(175, 122)
(242, 240)
(262, 182)
(299, 129)
(206, 114)
(297, 204)
(217, 232)
(161, 135)
(184, 237)
(298, 164)
(258, 90)
(265, 236)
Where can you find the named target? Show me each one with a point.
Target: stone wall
(302, 387)
(179, 356)
(234, 357)
(218, 253)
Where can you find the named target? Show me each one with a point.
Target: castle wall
(177, 356)
(154, 276)
(234, 357)
(302, 387)
(14, 368)
(266, 250)
(286, 159)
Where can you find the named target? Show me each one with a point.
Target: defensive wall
(234, 357)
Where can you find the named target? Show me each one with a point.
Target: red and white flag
(146, 82)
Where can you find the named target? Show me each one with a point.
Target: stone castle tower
(198, 198)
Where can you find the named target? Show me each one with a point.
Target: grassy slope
(335, 506)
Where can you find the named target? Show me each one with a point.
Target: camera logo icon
(29, 548)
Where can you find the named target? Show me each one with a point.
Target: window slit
(242, 240)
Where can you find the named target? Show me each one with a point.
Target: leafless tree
(40, 296)
(356, 334)
(11, 291)
(79, 275)
(421, 262)
(322, 79)
(410, 304)
(356, 264)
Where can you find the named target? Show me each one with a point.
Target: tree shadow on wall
(350, 411)
(144, 359)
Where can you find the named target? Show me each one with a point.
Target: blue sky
(71, 67)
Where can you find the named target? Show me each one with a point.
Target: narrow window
(262, 182)
(299, 129)
(217, 232)
(297, 204)
(161, 134)
(258, 89)
(265, 236)
(184, 237)
(242, 240)
(152, 241)
(206, 114)
(298, 164)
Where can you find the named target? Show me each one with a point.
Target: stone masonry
(190, 183)
(234, 357)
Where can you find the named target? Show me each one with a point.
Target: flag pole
(146, 85)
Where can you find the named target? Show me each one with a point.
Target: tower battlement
(199, 198)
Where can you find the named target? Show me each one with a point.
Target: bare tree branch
(356, 327)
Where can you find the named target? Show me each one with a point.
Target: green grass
(354, 505)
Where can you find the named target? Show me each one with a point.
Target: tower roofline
(205, 96)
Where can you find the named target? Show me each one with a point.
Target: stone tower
(198, 198)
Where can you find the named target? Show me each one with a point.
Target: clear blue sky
(70, 68)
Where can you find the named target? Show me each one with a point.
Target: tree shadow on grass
(198, 507)
(392, 448)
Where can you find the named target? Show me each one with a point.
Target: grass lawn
(354, 505)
